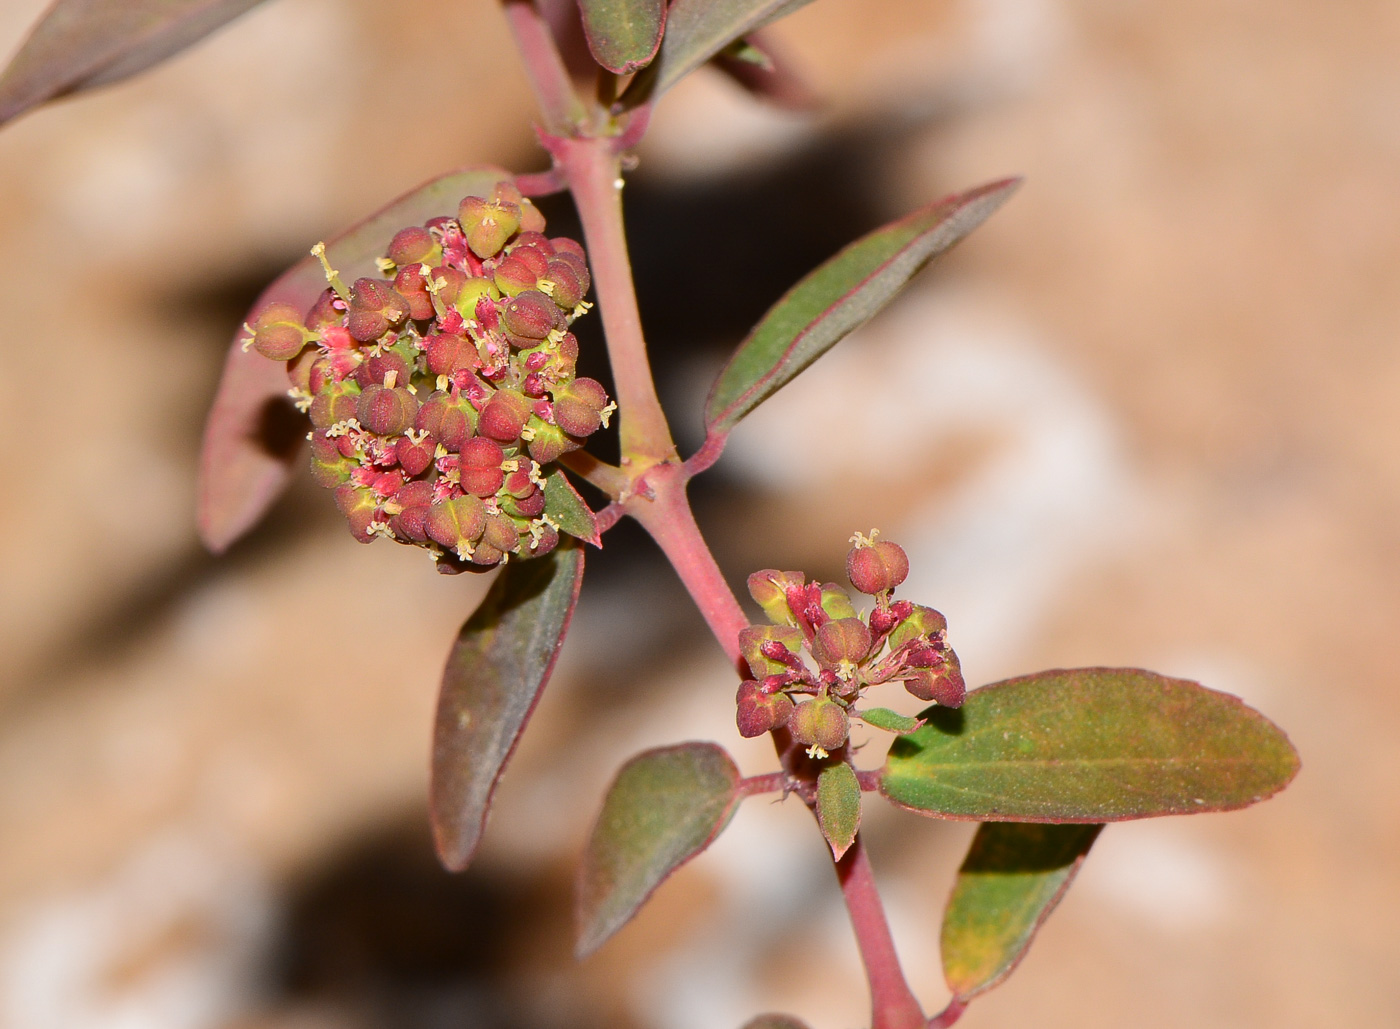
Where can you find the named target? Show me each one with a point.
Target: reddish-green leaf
(697, 30)
(775, 1022)
(839, 296)
(1088, 745)
(1013, 877)
(569, 511)
(79, 44)
(495, 673)
(838, 806)
(623, 35)
(240, 473)
(664, 807)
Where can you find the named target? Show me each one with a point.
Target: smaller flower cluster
(440, 397)
(812, 665)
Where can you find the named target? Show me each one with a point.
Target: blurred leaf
(775, 1022)
(697, 30)
(756, 65)
(839, 296)
(1088, 745)
(664, 807)
(623, 34)
(567, 508)
(838, 806)
(239, 474)
(890, 721)
(495, 674)
(1013, 877)
(79, 44)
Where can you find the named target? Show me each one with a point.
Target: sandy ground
(1145, 416)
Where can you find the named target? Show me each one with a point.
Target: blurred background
(1147, 415)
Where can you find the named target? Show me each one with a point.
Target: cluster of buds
(811, 666)
(440, 395)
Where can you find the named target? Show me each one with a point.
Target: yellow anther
(301, 399)
(606, 413)
(862, 540)
(816, 753)
(384, 265)
(248, 342)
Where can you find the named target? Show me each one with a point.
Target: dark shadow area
(384, 932)
(949, 720)
(1011, 848)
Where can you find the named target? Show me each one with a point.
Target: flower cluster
(814, 662)
(440, 395)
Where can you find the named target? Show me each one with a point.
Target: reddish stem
(549, 79)
(666, 515)
(893, 1005)
(594, 173)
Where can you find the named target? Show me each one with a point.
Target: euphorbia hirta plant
(431, 350)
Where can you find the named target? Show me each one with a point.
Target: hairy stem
(594, 171)
(893, 1005)
(665, 513)
(549, 79)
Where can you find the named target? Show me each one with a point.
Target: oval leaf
(838, 806)
(1088, 745)
(495, 673)
(775, 1022)
(839, 296)
(664, 807)
(890, 721)
(1013, 877)
(241, 467)
(697, 30)
(568, 509)
(623, 35)
(79, 44)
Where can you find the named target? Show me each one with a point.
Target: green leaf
(697, 30)
(664, 807)
(79, 44)
(243, 466)
(563, 504)
(1013, 877)
(775, 1022)
(838, 806)
(623, 35)
(1088, 745)
(890, 721)
(839, 296)
(495, 673)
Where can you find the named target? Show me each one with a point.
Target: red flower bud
(413, 245)
(457, 522)
(841, 640)
(876, 567)
(760, 712)
(479, 467)
(944, 685)
(532, 316)
(504, 416)
(578, 406)
(375, 308)
(387, 411)
(415, 458)
(820, 723)
(278, 333)
(514, 275)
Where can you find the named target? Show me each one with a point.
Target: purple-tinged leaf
(775, 1022)
(79, 44)
(242, 468)
(757, 66)
(697, 30)
(495, 674)
(1088, 745)
(838, 806)
(623, 35)
(569, 510)
(838, 297)
(1013, 876)
(665, 806)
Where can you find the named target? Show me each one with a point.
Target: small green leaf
(79, 44)
(775, 1022)
(623, 35)
(241, 470)
(697, 30)
(890, 721)
(495, 674)
(838, 297)
(1088, 745)
(838, 806)
(563, 504)
(1013, 877)
(664, 807)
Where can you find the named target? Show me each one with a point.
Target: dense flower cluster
(440, 397)
(814, 662)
